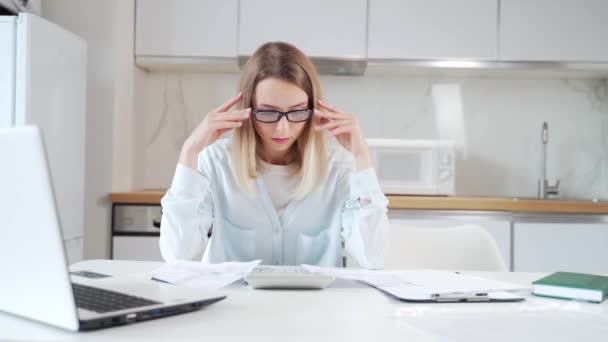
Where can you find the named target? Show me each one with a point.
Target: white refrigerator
(43, 83)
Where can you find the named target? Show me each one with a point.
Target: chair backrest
(464, 247)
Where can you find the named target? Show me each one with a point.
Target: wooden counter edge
(143, 197)
(429, 203)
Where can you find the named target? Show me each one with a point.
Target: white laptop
(34, 277)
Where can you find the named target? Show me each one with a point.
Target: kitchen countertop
(519, 205)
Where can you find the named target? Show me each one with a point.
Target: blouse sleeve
(187, 215)
(365, 226)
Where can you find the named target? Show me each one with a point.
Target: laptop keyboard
(100, 300)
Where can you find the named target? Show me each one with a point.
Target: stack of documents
(200, 275)
(429, 285)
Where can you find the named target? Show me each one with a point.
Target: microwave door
(406, 172)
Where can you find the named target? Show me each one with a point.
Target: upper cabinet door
(554, 30)
(433, 29)
(319, 28)
(186, 28)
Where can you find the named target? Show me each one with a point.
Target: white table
(345, 312)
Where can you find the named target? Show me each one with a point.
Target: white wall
(107, 26)
(127, 163)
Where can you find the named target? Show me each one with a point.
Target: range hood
(358, 66)
(330, 66)
(486, 68)
(361, 66)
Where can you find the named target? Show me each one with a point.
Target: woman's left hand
(345, 127)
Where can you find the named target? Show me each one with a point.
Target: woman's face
(278, 137)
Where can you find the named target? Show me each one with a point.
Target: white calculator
(286, 277)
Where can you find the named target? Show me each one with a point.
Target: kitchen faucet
(544, 189)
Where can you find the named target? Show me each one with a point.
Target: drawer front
(133, 218)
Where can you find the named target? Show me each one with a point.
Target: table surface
(346, 311)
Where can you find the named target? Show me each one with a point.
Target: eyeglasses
(269, 116)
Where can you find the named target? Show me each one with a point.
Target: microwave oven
(414, 167)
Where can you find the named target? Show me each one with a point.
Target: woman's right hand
(215, 123)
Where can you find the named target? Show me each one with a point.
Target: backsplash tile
(501, 124)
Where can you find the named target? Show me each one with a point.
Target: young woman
(279, 190)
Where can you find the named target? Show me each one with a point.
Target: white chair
(464, 247)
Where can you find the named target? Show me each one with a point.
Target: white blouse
(246, 227)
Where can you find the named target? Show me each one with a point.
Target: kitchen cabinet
(210, 35)
(136, 248)
(550, 247)
(319, 28)
(553, 30)
(186, 28)
(497, 225)
(432, 29)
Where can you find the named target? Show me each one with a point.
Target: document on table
(202, 275)
(429, 285)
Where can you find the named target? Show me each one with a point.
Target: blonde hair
(285, 62)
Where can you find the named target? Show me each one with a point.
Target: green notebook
(566, 285)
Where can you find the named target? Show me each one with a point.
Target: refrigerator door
(51, 93)
(7, 70)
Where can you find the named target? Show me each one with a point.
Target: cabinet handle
(156, 223)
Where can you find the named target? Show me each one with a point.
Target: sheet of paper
(409, 293)
(202, 275)
(423, 282)
(445, 282)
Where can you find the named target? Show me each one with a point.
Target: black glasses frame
(282, 114)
